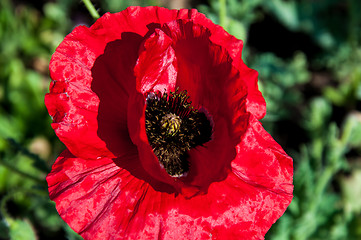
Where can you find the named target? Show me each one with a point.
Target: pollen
(171, 123)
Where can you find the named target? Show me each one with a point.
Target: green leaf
(53, 11)
(351, 192)
(352, 129)
(21, 229)
(70, 234)
(4, 229)
(317, 115)
(335, 95)
(285, 11)
(237, 29)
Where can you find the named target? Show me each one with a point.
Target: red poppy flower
(159, 115)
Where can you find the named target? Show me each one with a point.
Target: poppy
(159, 115)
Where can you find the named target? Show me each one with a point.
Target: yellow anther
(171, 123)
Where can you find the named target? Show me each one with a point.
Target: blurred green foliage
(307, 54)
(27, 144)
(316, 98)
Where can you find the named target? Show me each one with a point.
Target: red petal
(206, 72)
(87, 193)
(255, 102)
(156, 69)
(244, 206)
(262, 162)
(75, 114)
(113, 82)
(103, 199)
(100, 200)
(148, 161)
(72, 102)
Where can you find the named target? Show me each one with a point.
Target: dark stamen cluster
(173, 127)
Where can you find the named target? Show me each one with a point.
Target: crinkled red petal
(93, 86)
(102, 200)
(255, 102)
(206, 72)
(76, 96)
(72, 102)
(113, 82)
(261, 160)
(136, 125)
(156, 68)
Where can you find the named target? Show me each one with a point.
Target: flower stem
(223, 13)
(93, 12)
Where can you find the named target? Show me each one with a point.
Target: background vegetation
(308, 56)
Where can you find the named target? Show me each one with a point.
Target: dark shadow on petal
(206, 72)
(151, 29)
(133, 165)
(113, 82)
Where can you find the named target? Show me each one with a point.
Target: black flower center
(173, 127)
